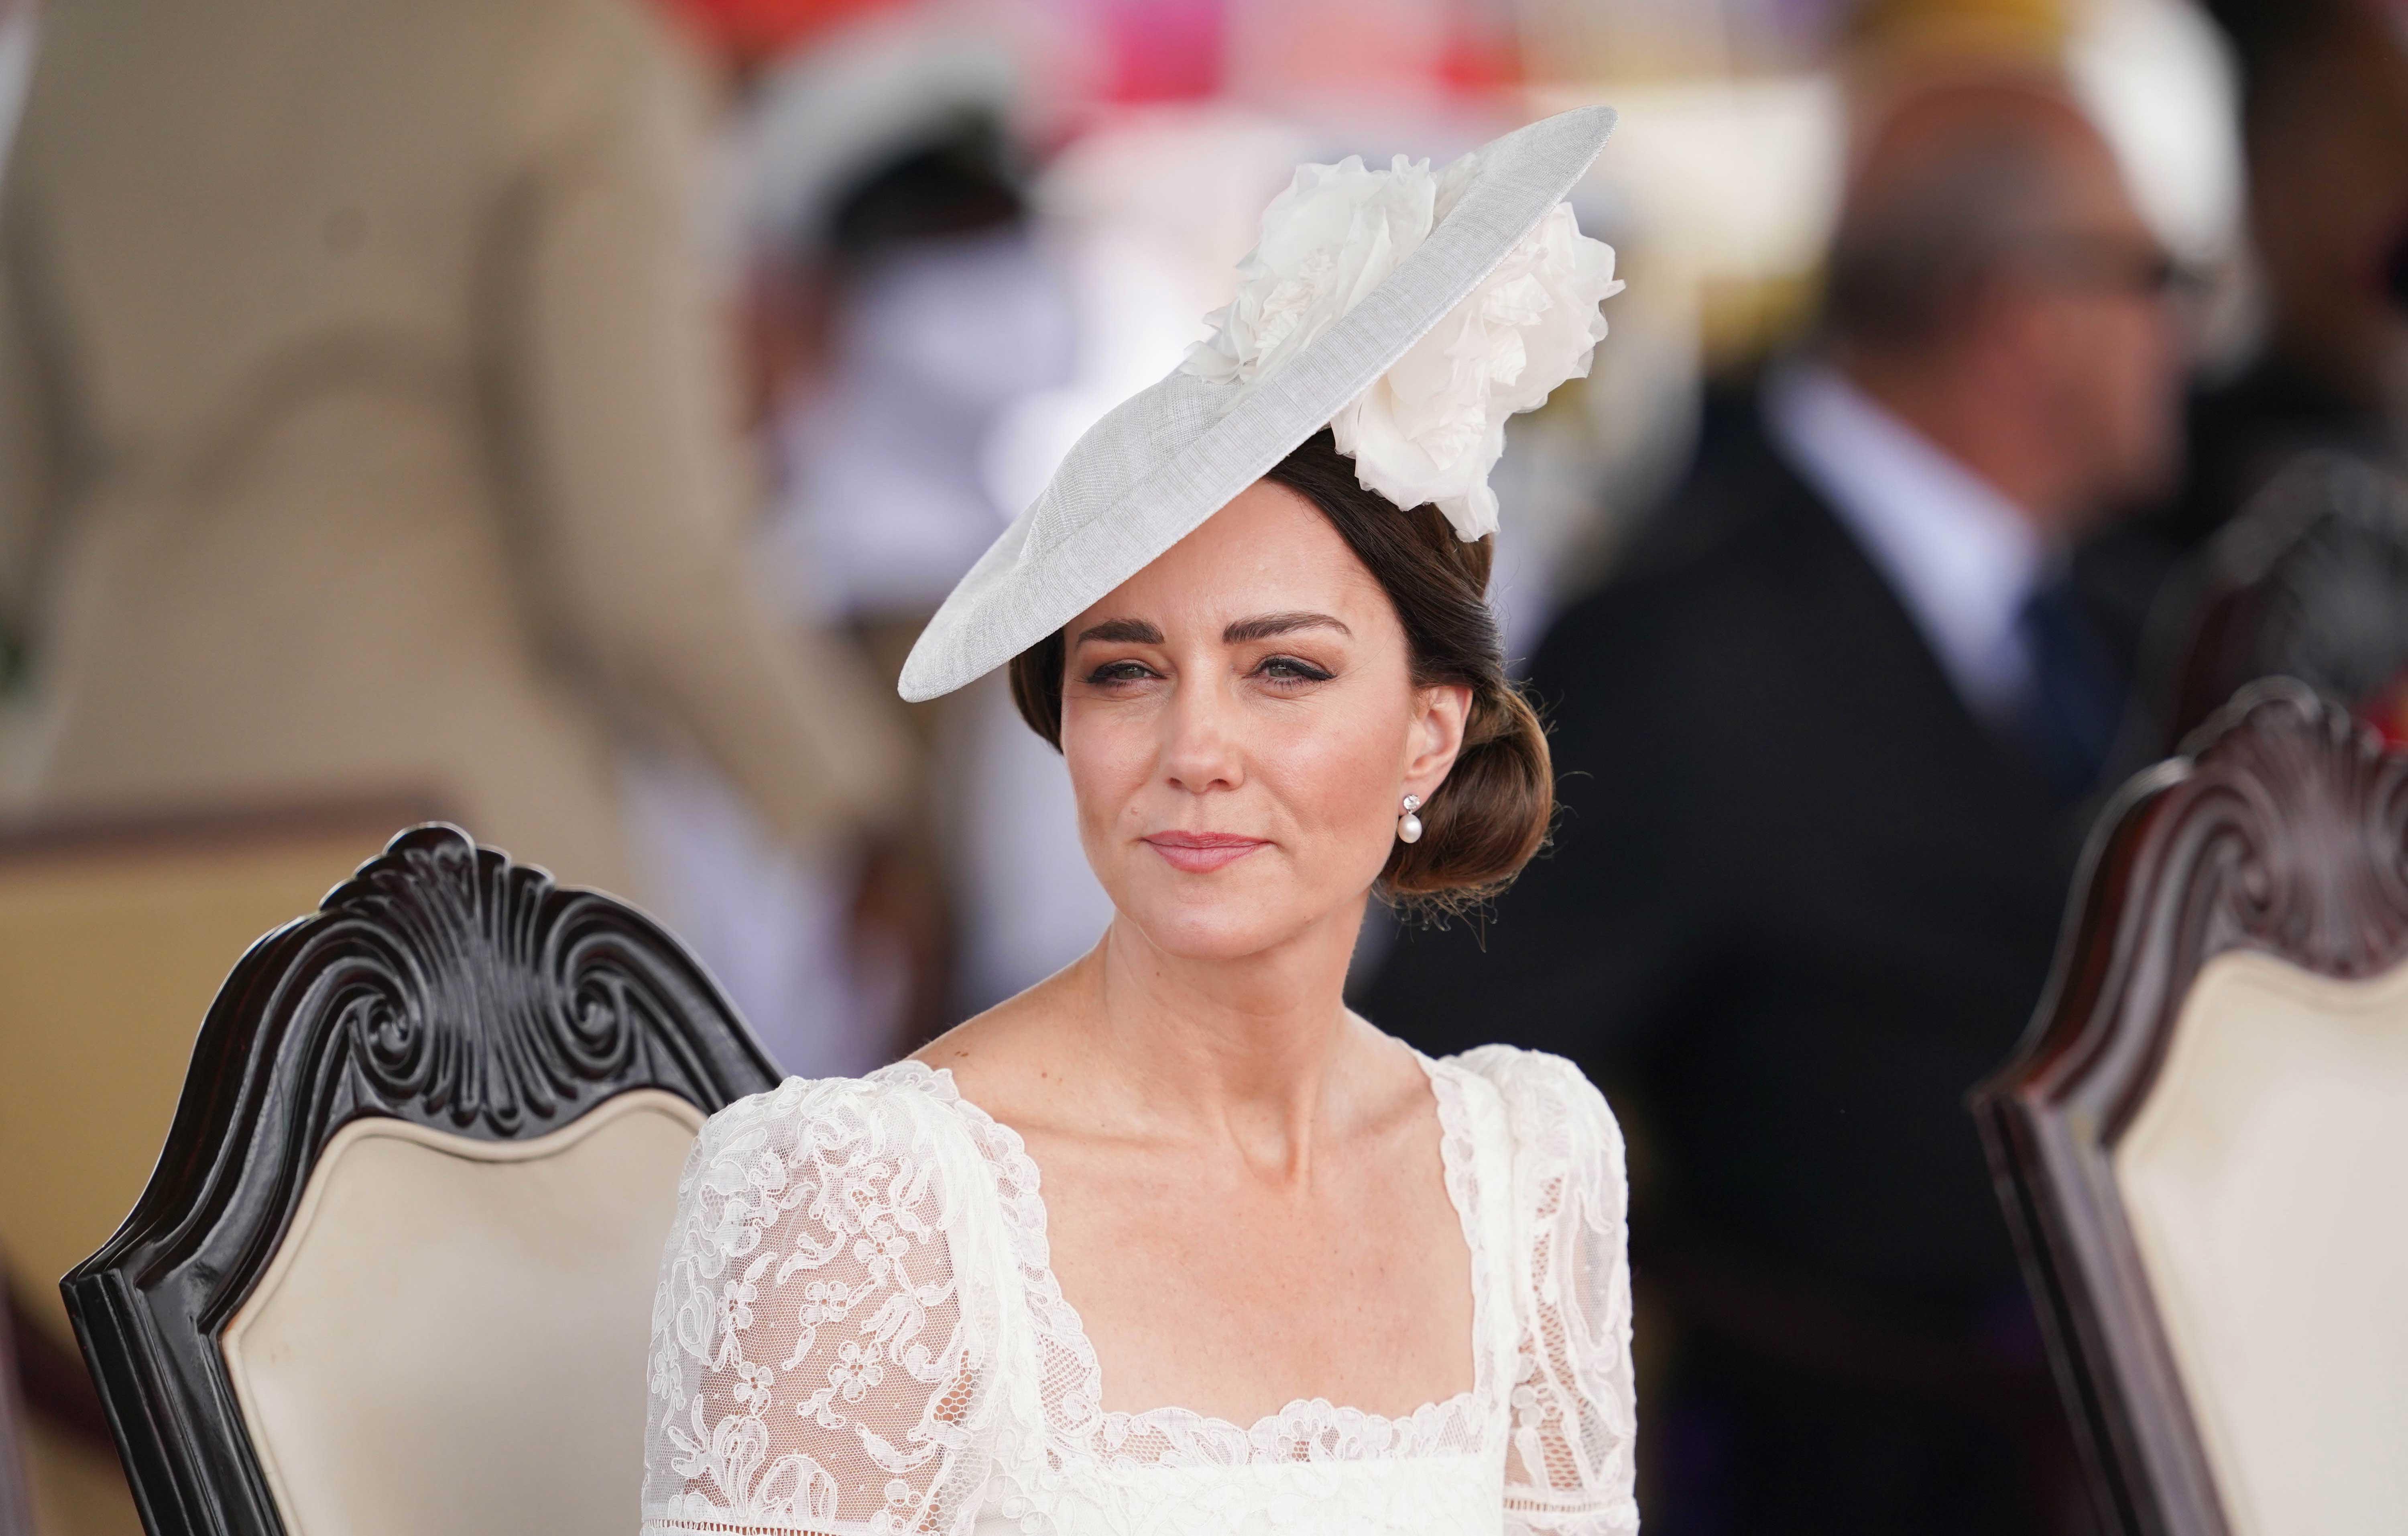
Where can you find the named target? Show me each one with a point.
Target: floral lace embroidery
(806, 1283)
(851, 1259)
(1569, 1469)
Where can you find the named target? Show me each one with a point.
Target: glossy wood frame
(441, 985)
(2283, 830)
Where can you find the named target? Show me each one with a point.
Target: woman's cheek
(1111, 757)
(1338, 762)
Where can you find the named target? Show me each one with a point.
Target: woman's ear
(1440, 714)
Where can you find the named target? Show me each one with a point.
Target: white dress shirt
(1960, 556)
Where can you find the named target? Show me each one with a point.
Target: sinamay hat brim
(1149, 473)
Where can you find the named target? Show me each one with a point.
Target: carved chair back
(393, 1271)
(2203, 1145)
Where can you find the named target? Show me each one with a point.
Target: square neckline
(1300, 1418)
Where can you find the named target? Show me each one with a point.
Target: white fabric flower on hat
(1432, 426)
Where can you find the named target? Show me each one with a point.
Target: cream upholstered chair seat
(2266, 1181)
(477, 1307)
(394, 1271)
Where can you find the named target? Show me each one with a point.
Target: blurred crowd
(567, 412)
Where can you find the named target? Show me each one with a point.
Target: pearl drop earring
(1409, 827)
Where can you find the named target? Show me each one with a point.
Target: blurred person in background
(886, 278)
(364, 424)
(905, 305)
(2325, 131)
(1819, 738)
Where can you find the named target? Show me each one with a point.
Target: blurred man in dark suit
(1818, 739)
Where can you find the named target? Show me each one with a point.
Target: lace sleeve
(815, 1362)
(1569, 1471)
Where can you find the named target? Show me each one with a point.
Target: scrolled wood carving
(478, 990)
(2316, 812)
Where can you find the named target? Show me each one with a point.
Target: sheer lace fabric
(858, 1332)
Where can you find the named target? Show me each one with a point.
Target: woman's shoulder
(827, 1301)
(891, 1108)
(1548, 1103)
(832, 1157)
(1527, 1076)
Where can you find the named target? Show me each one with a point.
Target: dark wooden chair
(393, 1271)
(2203, 1145)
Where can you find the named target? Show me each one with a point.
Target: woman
(1250, 612)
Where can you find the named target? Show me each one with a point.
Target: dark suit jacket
(1799, 901)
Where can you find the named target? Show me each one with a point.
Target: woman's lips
(1200, 853)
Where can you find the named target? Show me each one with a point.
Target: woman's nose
(1200, 749)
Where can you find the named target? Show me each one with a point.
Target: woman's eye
(1290, 669)
(1118, 671)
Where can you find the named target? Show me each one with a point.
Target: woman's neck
(1258, 1052)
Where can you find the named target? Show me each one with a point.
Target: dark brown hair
(1492, 812)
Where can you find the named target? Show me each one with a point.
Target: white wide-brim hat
(1160, 463)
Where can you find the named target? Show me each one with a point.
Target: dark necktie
(2067, 722)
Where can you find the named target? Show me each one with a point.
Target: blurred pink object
(1162, 50)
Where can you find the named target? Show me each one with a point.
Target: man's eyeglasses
(2107, 263)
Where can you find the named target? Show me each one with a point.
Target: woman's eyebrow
(1121, 632)
(1263, 627)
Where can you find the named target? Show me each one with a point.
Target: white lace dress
(858, 1334)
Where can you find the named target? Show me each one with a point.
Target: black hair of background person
(958, 180)
(1800, 900)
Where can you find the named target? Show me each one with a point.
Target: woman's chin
(1234, 912)
(1214, 925)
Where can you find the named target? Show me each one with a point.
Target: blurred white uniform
(887, 500)
(891, 494)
